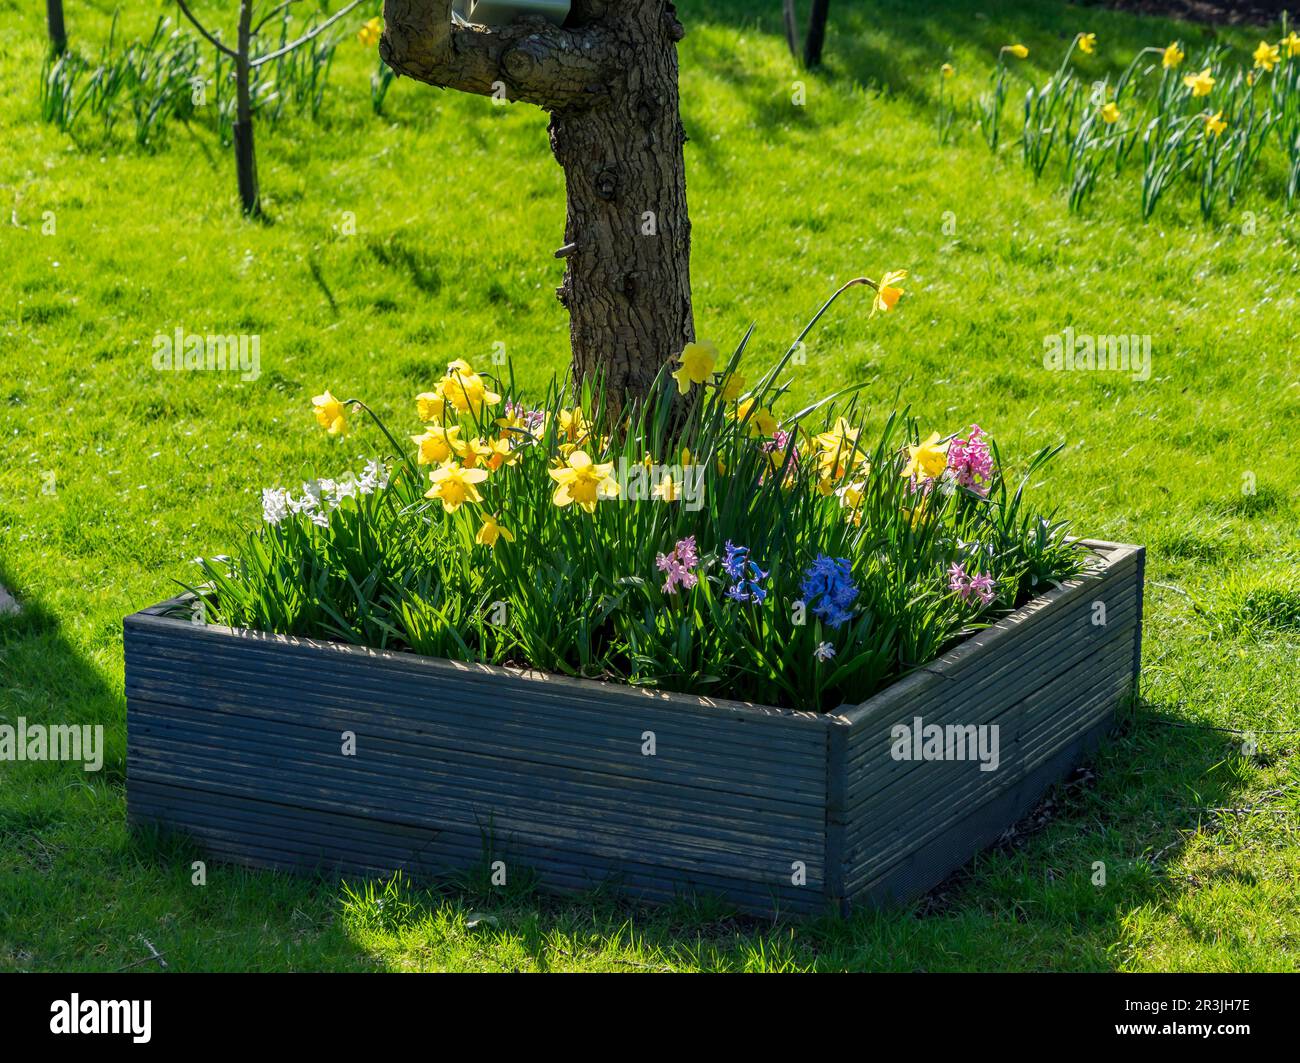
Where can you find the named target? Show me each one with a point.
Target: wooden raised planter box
(235, 738)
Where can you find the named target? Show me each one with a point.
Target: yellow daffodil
(1172, 57)
(453, 485)
(668, 490)
(733, 387)
(491, 531)
(502, 453)
(886, 292)
(437, 444)
(1201, 84)
(915, 514)
(1292, 43)
(1214, 124)
(465, 389)
(1109, 113)
(697, 361)
(836, 449)
(474, 453)
(1087, 43)
(1266, 56)
(582, 481)
(1018, 50)
(762, 423)
(431, 405)
(573, 425)
(850, 496)
(331, 414)
(946, 70)
(928, 460)
(370, 31)
(841, 437)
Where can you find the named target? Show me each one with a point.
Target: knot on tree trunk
(648, 107)
(518, 63)
(672, 25)
(606, 183)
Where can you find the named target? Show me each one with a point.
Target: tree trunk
(627, 283)
(245, 155)
(609, 80)
(812, 54)
(54, 20)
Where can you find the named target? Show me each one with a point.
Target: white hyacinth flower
(312, 493)
(374, 477)
(345, 488)
(275, 504)
(309, 503)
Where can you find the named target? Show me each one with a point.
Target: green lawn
(113, 476)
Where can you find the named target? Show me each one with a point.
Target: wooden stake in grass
(608, 77)
(817, 14)
(245, 63)
(54, 20)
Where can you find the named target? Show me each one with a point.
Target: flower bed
(240, 739)
(721, 589)
(691, 543)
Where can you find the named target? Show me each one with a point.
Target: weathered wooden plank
(529, 705)
(761, 791)
(491, 680)
(942, 701)
(931, 862)
(948, 706)
(1075, 688)
(445, 726)
(837, 737)
(939, 700)
(415, 806)
(1028, 727)
(639, 801)
(332, 839)
(437, 800)
(887, 833)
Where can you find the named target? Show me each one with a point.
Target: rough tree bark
(609, 80)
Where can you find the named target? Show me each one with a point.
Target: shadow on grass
(883, 46)
(78, 890)
(1033, 901)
